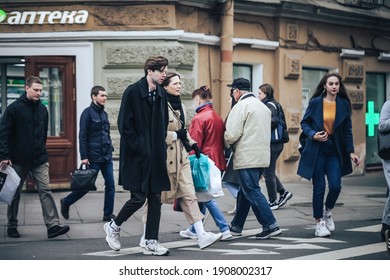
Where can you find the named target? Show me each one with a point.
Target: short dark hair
(203, 92)
(33, 79)
(95, 90)
(267, 89)
(168, 78)
(155, 63)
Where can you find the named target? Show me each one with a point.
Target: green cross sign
(372, 118)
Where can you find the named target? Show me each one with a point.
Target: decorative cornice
(178, 35)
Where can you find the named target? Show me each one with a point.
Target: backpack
(280, 135)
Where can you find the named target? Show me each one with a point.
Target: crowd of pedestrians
(156, 141)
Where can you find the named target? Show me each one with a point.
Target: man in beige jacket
(248, 132)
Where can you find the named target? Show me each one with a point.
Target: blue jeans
(329, 165)
(216, 213)
(232, 188)
(109, 191)
(250, 195)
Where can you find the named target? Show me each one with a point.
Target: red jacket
(207, 129)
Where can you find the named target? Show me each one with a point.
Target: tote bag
(9, 183)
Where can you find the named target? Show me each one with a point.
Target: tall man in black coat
(23, 135)
(142, 123)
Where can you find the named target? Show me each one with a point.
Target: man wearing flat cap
(248, 133)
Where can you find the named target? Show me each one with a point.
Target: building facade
(74, 45)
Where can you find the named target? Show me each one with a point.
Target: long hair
(268, 90)
(342, 90)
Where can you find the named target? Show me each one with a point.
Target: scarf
(175, 102)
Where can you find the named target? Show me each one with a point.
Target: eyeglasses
(232, 91)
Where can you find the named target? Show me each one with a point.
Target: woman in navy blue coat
(329, 147)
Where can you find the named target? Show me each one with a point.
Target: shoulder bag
(83, 179)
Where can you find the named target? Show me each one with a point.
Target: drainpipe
(226, 70)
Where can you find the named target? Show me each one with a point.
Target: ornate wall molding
(356, 96)
(134, 54)
(292, 32)
(293, 67)
(353, 71)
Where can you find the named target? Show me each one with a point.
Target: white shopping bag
(9, 182)
(215, 185)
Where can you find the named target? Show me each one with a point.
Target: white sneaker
(226, 235)
(112, 237)
(207, 239)
(329, 220)
(188, 234)
(152, 247)
(142, 241)
(232, 212)
(321, 230)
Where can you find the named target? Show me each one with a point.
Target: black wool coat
(23, 133)
(143, 126)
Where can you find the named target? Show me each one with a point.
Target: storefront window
(52, 98)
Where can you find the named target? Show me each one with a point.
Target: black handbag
(83, 179)
(384, 145)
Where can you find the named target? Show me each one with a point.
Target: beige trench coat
(179, 169)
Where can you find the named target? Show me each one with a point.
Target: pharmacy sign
(43, 17)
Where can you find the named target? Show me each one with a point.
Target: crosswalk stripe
(346, 253)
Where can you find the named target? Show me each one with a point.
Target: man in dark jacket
(23, 134)
(95, 150)
(143, 123)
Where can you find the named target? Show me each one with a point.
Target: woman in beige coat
(179, 143)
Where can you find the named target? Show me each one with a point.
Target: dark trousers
(136, 201)
(109, 191)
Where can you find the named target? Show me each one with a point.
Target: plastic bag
(200, 169)
(9, 183)
(215, 185)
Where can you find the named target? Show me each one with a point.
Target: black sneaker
(64, 209)
(109, 218)
(57, 230)
(387, 236)
(235, 233)
(273, 205)
(13, 233)
(268, 233)
(284, 198)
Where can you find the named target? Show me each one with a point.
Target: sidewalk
(362, 198)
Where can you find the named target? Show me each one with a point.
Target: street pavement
(362, 199)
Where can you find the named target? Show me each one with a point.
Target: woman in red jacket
(207, 129)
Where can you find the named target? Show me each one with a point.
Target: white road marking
(235, 252)
(302, 246)
(375, 228)
(310, 240)
(346, 253)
